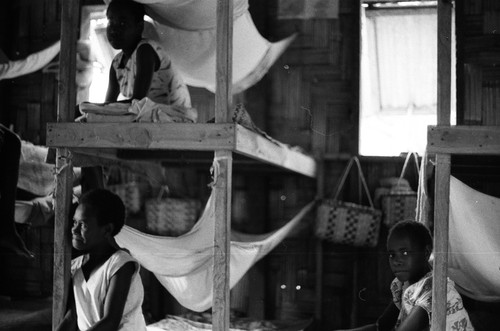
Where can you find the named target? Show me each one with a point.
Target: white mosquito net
(186, 30)
(184, 264)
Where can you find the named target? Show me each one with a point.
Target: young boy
(142, 68)
(409, 245)
(107, 290)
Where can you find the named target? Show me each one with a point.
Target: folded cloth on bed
(184, 264)
(144, 110)
(474, 248)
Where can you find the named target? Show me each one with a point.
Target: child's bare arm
(418, 319)
(385, 322)
(113, 87)
(116, 298)
(69, 322)
(389, 317)
(147, 63)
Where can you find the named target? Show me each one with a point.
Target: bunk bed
(445, 140)
(224, 138)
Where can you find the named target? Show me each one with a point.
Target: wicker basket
(171, 216)
(401, 201)
(346, 222)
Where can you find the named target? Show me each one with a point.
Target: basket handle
(341, 183)
(164, 191)
(405, 165)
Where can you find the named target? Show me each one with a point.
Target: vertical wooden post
(224, 161)
(70, 10)
(441, 211)
(442, 182)
(318, 309)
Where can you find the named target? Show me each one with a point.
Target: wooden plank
(442, 187)
(444, 61)
(222, 187)
(62, 244)
(66, 102)
(441, 226)
(318, 266)
(70, 11)
(224, 61)
(223, 163)
(177, 136)
(473, 140)
(256, 146)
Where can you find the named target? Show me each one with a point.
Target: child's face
(408, 261)
(87, 234)
(123, 31)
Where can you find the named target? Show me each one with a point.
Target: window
(398, 77)
(94, 29)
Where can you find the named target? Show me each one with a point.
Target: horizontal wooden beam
(258, 147)
(473, 140)
(175, 136)
(91, 138)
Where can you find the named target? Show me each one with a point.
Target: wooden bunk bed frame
(223, 138)
(445, 140)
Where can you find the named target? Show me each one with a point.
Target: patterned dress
(167, 86)
(420, 294)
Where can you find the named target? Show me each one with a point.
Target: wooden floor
(25, 314)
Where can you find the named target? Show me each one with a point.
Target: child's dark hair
(106, 206)
(135, 8)
(416, 231)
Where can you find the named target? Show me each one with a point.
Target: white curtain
(474, 248)
(402, 55)
(398, 79)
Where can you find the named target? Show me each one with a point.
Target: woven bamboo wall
(30, 27)
(27, 103)
(478, 54)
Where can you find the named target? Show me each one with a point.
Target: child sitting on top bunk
(409, 245)
(142, 68)
(107, 289)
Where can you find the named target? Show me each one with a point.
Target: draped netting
(474, 247)
(184, 264)
(186, 30)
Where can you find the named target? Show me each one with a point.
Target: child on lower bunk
(107, 291)
(409, 245)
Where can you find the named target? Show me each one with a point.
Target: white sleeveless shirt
(90, 294)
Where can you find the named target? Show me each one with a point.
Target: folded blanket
(144, 110)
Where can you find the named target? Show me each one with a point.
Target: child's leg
(10, 153)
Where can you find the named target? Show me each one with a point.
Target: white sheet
(186, 30)
(184, 265)
(474, 245)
